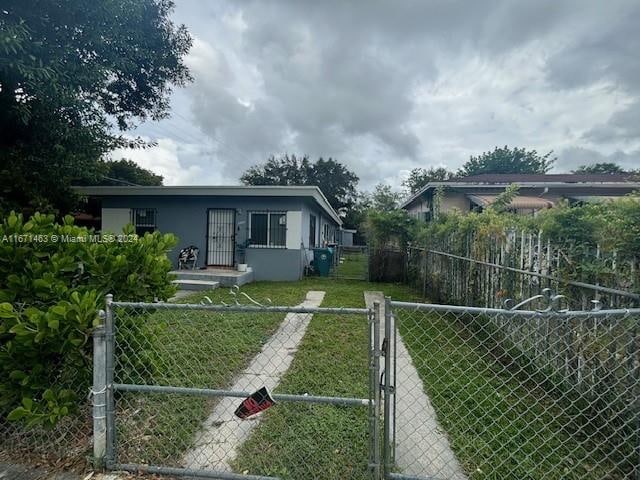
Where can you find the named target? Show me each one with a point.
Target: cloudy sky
(386, 86)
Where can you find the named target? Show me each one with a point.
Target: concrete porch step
(189, 284)
(225, 278)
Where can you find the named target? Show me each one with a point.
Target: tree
(125, 171)
(419, 177)
(68, 72)
(284, 170)
(384, 199)
(603, 167)
(507, 160)
(335, 180)
(502, 203)
(357, 213)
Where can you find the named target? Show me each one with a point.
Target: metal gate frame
(341, 251)
(103, 391)
(388, 376)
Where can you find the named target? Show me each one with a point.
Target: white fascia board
(231, 191)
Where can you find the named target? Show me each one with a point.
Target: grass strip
(352, 265)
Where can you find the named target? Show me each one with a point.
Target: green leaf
(48, 395)
(27, 403)
(6, 310)
(17, 414)
(17, 375)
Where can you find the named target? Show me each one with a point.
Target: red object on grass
(255, 403)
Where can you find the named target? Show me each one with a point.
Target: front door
(221, 235)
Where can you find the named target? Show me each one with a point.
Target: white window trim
(268, 214)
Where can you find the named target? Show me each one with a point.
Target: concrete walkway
(222, 433)
(422, 446)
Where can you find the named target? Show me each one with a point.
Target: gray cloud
(573, 157)
(388, 86)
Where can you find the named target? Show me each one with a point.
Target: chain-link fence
(180, 373)
(489, 393)
(67, 445)
(468, 393)
(351, 262)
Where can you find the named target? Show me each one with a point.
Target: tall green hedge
(53, 278)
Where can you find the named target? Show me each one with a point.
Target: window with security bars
(268, 229)
(328, 234)
(144, 220)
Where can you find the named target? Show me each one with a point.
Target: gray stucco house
(272, 229)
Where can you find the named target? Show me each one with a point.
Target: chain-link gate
(351, 262)
(496, 393)
(168, 379)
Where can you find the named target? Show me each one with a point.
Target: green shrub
(612, 227)
(53, 278)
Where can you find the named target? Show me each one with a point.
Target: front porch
(210, 278)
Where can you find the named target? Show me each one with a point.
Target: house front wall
(455, 201)
(187, 218)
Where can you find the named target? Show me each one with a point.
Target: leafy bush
(389, 229)
(53, 278)
(610, 228)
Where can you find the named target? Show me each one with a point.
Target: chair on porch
(188, 255)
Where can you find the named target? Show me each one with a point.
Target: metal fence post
(376, 389)
(98, 393)
(387, 388)
(110, 402)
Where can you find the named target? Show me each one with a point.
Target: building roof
(312, 192)
(502, 180)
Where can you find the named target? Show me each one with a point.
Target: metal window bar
(144, 220)
(267, 229)
(221, 237)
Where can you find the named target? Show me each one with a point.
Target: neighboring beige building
(537, 192)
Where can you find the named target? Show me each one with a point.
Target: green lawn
(352, 265)
(320, 441)
(188, 349)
